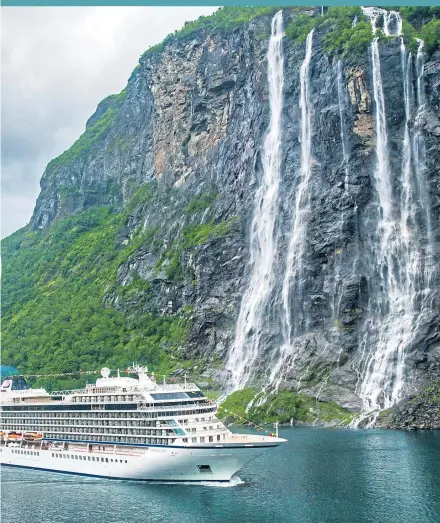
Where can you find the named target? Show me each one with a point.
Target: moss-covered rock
(285, 407)
(420, 411)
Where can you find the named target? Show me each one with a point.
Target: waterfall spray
(344, 143)
(398, 259)
(337, 279)
(419, 146)
(293, 320)
(244, 353)
(376, 387)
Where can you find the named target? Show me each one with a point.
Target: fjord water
(319, 476)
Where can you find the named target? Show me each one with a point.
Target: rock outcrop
(420, 411)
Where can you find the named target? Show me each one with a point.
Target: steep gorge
(269, 213)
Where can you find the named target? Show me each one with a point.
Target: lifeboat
(33, 436)
(15, 436)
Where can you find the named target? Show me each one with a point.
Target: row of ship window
(184, 396)
(151, 441)
(108, 414)
(92, 389)
(92, 399)
(91, 423)
(27, 452)
(132, 417)
(114, 439)
(205, 439)
(148, 441)
(88, 458)
(100, 430)
(115, 433)
(105, 423)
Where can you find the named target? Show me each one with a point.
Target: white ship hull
(154, 464)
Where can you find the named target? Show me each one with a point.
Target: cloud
(57, 64)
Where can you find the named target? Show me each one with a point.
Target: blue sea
(319, 476)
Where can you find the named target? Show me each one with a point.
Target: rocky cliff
(348, 308)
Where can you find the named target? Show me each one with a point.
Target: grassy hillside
(284, 407)
(54, 313)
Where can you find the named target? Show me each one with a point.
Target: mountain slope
(138, 248)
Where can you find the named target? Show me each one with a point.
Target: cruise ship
(123, 428)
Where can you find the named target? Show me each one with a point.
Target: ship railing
(174, 386)
(107, 390)
(139, 388)
(66, 392)
(175, 407)
(195, 424)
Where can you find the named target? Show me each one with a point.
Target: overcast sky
(57, 64)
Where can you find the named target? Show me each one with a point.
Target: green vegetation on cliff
(284, 407)
(347, 31)
(224, 18)
(84, 142)
(54, 313)
(191, 236)
(59, 284)
(98, 129)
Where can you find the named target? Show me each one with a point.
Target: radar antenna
(105, 372)
(145, 381)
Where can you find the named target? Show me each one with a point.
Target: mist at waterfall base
(325, 476)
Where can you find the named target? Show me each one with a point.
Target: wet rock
(419, 411)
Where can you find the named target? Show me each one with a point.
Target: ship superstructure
(122, 427)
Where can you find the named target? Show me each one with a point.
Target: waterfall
(392, 21)
(427, 299)
(420, 80)
(337, 279)
(382, 171)
(408, 95)
(392, 25)
(293, 321)
(419, 146)
(244, 353)
(398, 257)
(377, 387)
(344, 143)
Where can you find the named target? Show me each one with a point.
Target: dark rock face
(192, 123)
(421, 411)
